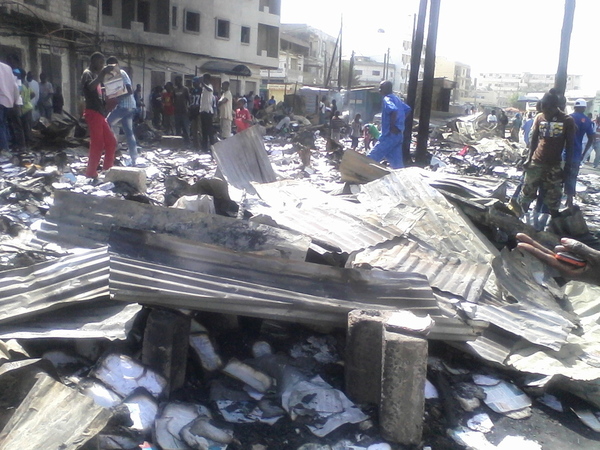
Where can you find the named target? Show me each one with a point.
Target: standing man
(226, 110)
(181, 101)
(168, 109)
(157, 107)
(322, 110)
(9, 98)
(355, 131)
(124, 113)
(515, 128)
(393, 115)
(552, 131)
(527, 129)
(102, 138)
(46, 93)
(502, 122)
(207, 111)
(35, 89)
(584, 127)
(195, 125)
(492, 119)
(140, 114)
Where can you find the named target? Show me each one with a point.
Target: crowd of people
(23, 100)
(191, 110)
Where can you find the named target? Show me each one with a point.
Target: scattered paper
(505, 397)
(480, 422)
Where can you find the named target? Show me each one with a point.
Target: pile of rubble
(271, 296)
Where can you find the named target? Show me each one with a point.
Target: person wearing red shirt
(243, 118)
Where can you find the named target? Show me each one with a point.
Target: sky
(490, 36)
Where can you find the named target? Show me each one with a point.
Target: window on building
(358, 72)
(173, 16)
(376, 73)
(79, 10)
(245, 35)
(192, 22)
(223, 28)
(107, 7)
(267, 41)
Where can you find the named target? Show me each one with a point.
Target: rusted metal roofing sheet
(340, 223)
(158, 269)
(443, 227)
(49, 285)
(447, 273)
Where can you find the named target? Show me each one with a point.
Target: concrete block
(403, 388)
(136, 177)
(165, 346)
(363, 366)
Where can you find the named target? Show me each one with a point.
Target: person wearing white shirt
(207, 111)
(226, 110)
(9, 98)
(35, 88)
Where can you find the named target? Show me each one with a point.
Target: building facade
(509, 86)
(459, 73)
(370, 72)
(153, 40)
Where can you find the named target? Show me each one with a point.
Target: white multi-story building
(230, 39)
(511, 84)
(154, 40)
(370, 72)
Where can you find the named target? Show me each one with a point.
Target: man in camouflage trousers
(552, 131)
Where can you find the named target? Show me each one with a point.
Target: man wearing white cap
(584, 127)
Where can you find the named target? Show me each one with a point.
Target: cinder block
(132, 175)
(363, 366)
(403, 388)
(165, 346)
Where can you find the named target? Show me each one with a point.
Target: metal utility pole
(413, 80)
(339, 80)
(333, 57)
(384, 76)
(387, 70)
(350, 78)
(560, 82)
(427, 89)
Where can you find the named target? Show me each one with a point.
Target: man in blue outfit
(393, 115)
(584, 126)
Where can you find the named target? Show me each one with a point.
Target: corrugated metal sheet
(524, 302)
(443, 227)
(52, 284)
(539, 327)
(90, 320)
(86, 220)
(158, 269)
(242, 159)
(339, 223)
(446, 273)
